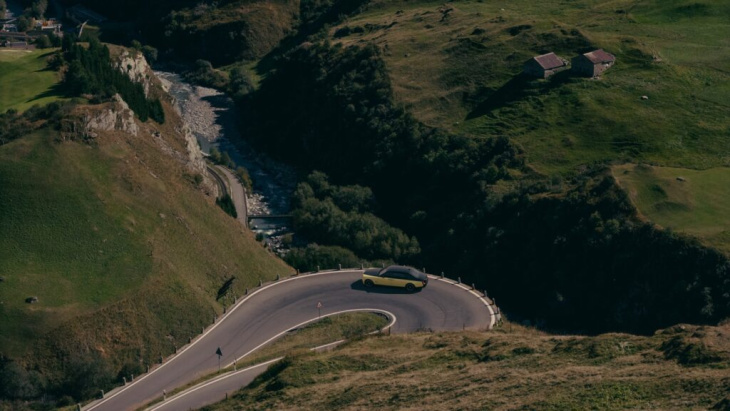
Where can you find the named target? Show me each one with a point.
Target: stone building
(593, 64)
(545, 65)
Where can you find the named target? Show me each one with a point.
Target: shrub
(226, 204)
(324, 257)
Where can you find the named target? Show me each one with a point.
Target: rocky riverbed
(211, 116)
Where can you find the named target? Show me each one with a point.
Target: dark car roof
(416, 273)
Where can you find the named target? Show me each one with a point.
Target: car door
(388, 278)
(400, 279)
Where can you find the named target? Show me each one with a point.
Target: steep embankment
(221, 32)
(681, 367)
(108, 224)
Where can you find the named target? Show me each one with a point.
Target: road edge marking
(209, 382)
(123, 388)
(390, 315)
(204, 384)
(492, 314)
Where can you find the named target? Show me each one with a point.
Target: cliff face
(115, 119)
(110, 117)
(187, 151)
(135, 66)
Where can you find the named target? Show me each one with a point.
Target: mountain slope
(684, 367)
(457, 66)
(113, 233)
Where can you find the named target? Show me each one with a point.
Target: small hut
(593, 64)
(545, 65)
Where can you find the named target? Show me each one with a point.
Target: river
(212, 117)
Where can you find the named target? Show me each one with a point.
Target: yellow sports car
(395, 276)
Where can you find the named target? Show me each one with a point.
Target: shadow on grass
(515, 90)
(57, 90)
(359, 286)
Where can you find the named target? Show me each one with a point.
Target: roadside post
(319, 309)
(219, 353)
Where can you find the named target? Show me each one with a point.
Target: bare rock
(135, 66)
(116, 116)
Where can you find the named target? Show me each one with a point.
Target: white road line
(321, 347)
(376, 310)
(208, 331)
(92, 406)
(213, 381)
(492, 314)
(233, 373)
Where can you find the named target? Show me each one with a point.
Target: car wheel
(369, 283)
(410, 287)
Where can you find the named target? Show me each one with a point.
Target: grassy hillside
(222, 32)
(124, 253)
(684, 367)
(26, 80)
(696, 202)
(461, 71)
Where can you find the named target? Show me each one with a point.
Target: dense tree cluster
(334, 215)
(582, 262)
(90, 72)
(578, 260)
(34, 8)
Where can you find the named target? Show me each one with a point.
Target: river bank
(211, 116)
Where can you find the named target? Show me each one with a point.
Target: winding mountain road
(270, 311)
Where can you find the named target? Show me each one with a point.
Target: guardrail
(491, 304)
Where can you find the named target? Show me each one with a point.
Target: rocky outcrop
(89, 121)
(196, 161)
(134, 65)
(116, 116)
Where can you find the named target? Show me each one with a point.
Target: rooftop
(600, 56)
(549, 61)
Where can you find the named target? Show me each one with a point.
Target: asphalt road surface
(238, 195)
(212, 391)
(273, 309)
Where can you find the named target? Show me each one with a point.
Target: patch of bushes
(14, 125)
(314, 256)
(205, 75)
(226, 204)
(687, 352)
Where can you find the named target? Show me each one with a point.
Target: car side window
(401, 275)
(389, 274)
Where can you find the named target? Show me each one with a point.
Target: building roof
(600, 56)
(549, 61)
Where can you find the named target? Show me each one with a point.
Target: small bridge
(270, 216)
(269, 222)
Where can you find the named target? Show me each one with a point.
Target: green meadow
(460, 70)
(696, 202)
(26, 79)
